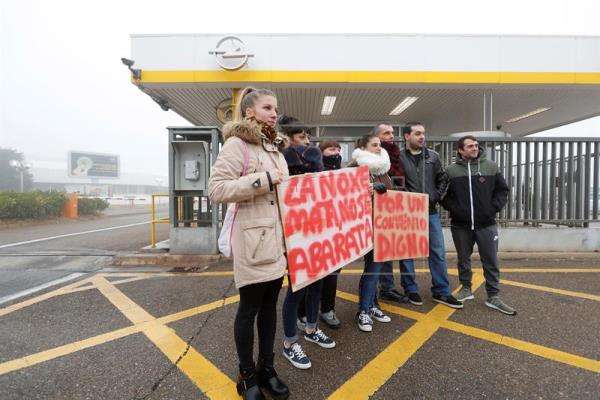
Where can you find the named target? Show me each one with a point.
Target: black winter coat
(476, 192)
(435, 178)
(303, 159)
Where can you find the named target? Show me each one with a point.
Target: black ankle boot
(269, 381)
(247, 385)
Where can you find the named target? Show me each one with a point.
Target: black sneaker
(393, 295)
(449, 301)
(319, 337)
(415, 298)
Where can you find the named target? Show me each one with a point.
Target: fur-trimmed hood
(378, 164)
(250, 132)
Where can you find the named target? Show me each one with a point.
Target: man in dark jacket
(423, 173)
(476, 192)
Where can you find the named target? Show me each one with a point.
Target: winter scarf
(378, 164)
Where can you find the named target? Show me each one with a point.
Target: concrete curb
(167, 260)
(172, 260)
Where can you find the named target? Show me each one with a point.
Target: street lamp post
(21, 167)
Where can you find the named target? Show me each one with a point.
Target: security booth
(341, 85)
(194, 220)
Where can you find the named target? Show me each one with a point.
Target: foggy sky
(63, 87)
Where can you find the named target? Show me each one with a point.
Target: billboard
(93, 165)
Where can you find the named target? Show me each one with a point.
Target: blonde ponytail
(247, 98)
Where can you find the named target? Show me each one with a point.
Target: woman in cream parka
(257, 241)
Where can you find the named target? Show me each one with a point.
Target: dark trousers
(367, 286)
(290, 309)
(437, 264)
(257, 301)
(328, 294)
(487, 244)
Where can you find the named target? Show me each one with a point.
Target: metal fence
(551, 180)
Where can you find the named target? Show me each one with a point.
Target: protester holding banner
(301, 158)
(424, 173)
(246, 172)
(332, 160)
(385, 133)
(369, 152)
(476, 192)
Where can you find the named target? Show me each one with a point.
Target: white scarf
(378, 164)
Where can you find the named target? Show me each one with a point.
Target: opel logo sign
(230, 53)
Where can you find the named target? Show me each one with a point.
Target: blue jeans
(437, 265)
(367, 287)
(311, 294)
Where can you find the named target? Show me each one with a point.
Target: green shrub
(31, 205)
(90, 205)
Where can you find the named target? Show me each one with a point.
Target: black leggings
(259, 301)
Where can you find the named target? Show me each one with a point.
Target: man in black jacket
(476, 192)
(423, 173)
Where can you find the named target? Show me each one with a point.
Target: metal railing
(155, 220)
(551, 180)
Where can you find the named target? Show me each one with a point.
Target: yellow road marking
(532, 348)
(59, 351)
(551, 270)
(454, 271)
(66, 349)
(380, 369)
(43, 356)
(351, 271)
(119, 282)
(197, 310)
(75, 287)
(58, 292)
(551, 290)
(384, 306)
(80, 286)
(209, 379)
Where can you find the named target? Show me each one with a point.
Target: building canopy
(451, 83)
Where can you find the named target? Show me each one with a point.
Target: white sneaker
(297, 356)
(379, 316)
(364, 321)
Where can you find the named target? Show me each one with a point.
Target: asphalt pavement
(74, 326)
(49, 253)
(116, 332)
